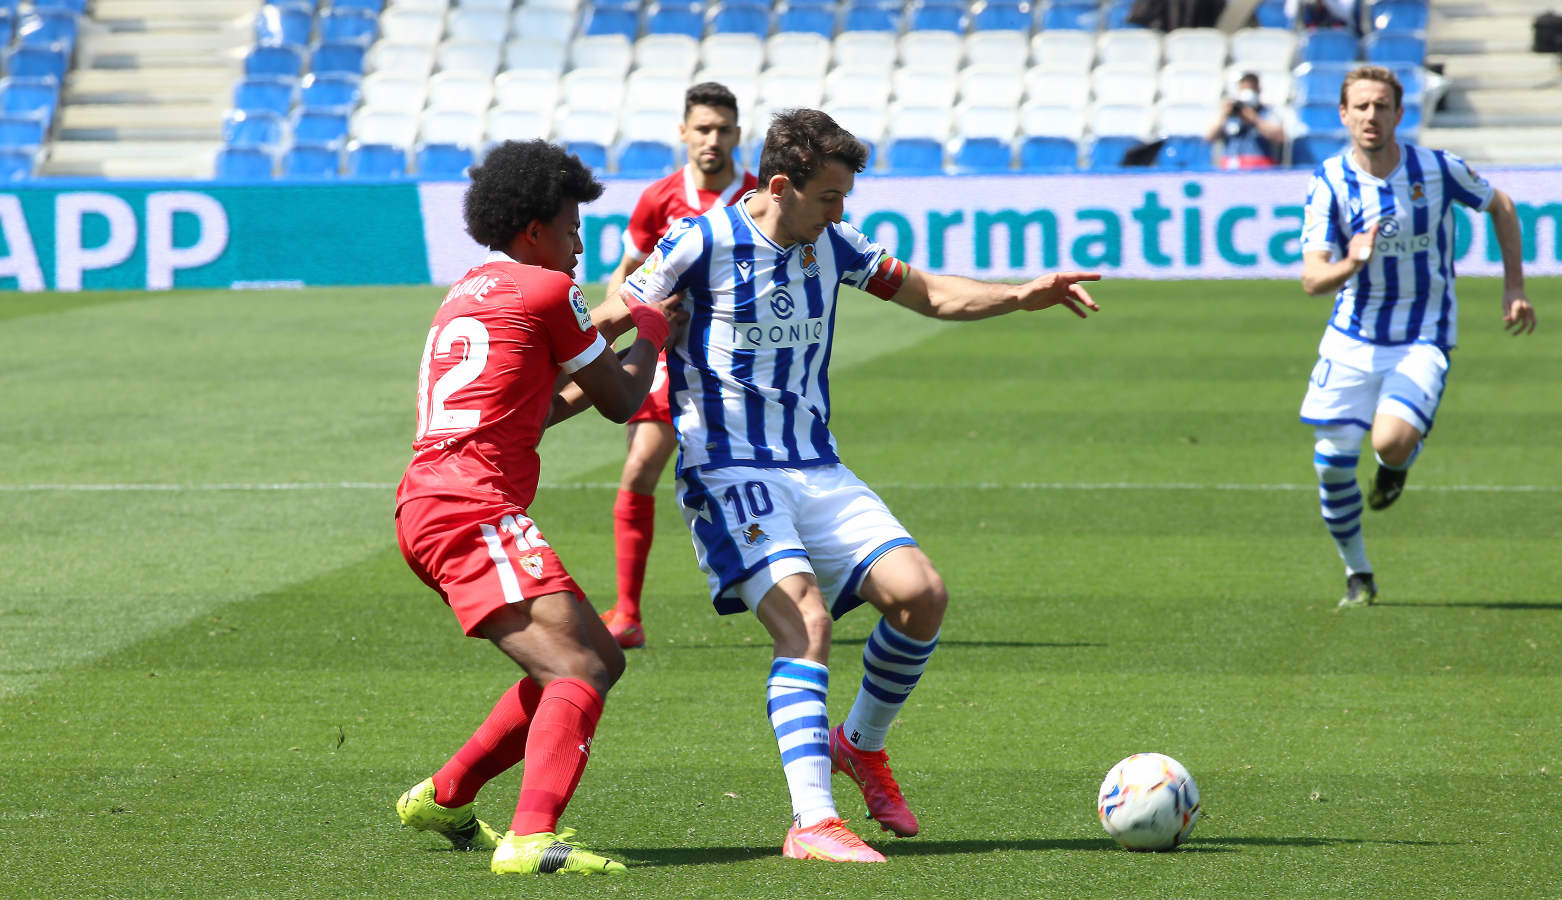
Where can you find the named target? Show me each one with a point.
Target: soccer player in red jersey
(711, 178)
(486, 390)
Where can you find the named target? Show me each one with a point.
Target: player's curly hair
(799, 143)
(712, 94)
(521, 181)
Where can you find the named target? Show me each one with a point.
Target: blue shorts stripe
(848, 599)
(1425, 419)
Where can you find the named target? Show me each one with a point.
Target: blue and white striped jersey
(750, 376)
(1405, 294)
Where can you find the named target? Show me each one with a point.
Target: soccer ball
(1148, 802)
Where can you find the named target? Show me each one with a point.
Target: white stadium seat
(411, 26)
(1122, 120)
(1063, 49)
(1184, 119)
(936, 50)
(1263, 48)
(1116, 84)
(932, 87)
(991, 84)
(1195, 46)
(800, 51)
(1006, 48)
(541, 22)
(868, 123)
(1057, 87)
(390, 90)
(738, 52)
(1190, 83)
(1042, 120)
(914, 121)
(655, 89)
(602, 51)
(460, 90)
(859, 85)
(451, 126)
(526, 89)
(676, 53)
(536, 54)
(469, 23)
(470, 56)
(405, 60)
(594, 125)
(857, 48)
(980, 121)
(593, 89)
(519, 124)
(370, 125)
(1139, 47)
(784, 88)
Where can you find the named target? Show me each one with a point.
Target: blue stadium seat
(253, 129)
(1410, 122)
(1320, 82)
(21, 132)
(7, 25)
(319, 128)
(609, 20)
(1384, 48)
(275, 60)
(1401, 16)
(1271, 14)
(1069, 17)
(1042, 155)
(677, 17)
(914, 156)
(265, 93)
(284, 23)
(1117, 13)
(444, 161)
(48, 28)
(741, 18)
(1006, 16)
(36, 62)
(348, 26)
(938, 15)
(329, 91)
(1320, 116)
(244, 164)
(376, 161)
(984, 156)
(76, 6)
(374, 6)
(1311, 149)
(342, 58)
(1328, 45)
(1185, 153)
(1107, 151)
(810, 19)
(308, 161)
(866, 15)
(647, 159)
(17, 165)
(594, 155)
(35, 97)
(1412, 77)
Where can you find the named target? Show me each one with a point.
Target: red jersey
(675, 197)
(498, 342)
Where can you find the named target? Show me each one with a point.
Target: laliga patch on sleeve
(642, 276)
(577, 302)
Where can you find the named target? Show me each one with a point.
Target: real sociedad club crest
(1418, 194)
(810, 263)
(781, 303)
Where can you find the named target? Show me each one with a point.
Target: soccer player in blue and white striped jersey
(1378, 235)
(779, 525)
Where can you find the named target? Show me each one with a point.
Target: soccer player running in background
(498, 343)
(710, 178)
(780, 526)
(1378, 235)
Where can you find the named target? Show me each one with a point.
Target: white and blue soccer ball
(1148, 802)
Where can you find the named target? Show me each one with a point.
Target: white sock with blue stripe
(795, 696)
(891, 665)
(1407, 463)
(1335, 456)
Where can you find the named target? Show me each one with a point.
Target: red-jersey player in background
(711, 178)
(486, 391)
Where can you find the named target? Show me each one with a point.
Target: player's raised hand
(1361, 246)
(1518, 316)
(1060, 288)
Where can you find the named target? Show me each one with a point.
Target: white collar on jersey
(497, 256)
(691, 194)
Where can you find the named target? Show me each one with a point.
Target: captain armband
(887, 278)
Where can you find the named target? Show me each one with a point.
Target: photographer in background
(1250, 133)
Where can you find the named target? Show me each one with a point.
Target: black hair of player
(712, 94)
(801, 141)
(519, 182)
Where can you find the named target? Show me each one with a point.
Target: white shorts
(753, 527)
(1409, 386)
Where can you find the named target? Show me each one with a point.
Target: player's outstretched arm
(954, 298)
(1518, 316)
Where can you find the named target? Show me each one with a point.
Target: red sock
(500, 742)
(634, 520)
(556, 753)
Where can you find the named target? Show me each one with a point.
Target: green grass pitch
(216, 673)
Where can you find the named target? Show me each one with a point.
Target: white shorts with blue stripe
(753, 527)
(1406, 382)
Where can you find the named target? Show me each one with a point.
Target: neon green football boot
(460, 825)
(546, 853)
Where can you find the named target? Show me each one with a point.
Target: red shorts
(480, 555)
(657, 406)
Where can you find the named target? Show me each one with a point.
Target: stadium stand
(294, 71)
